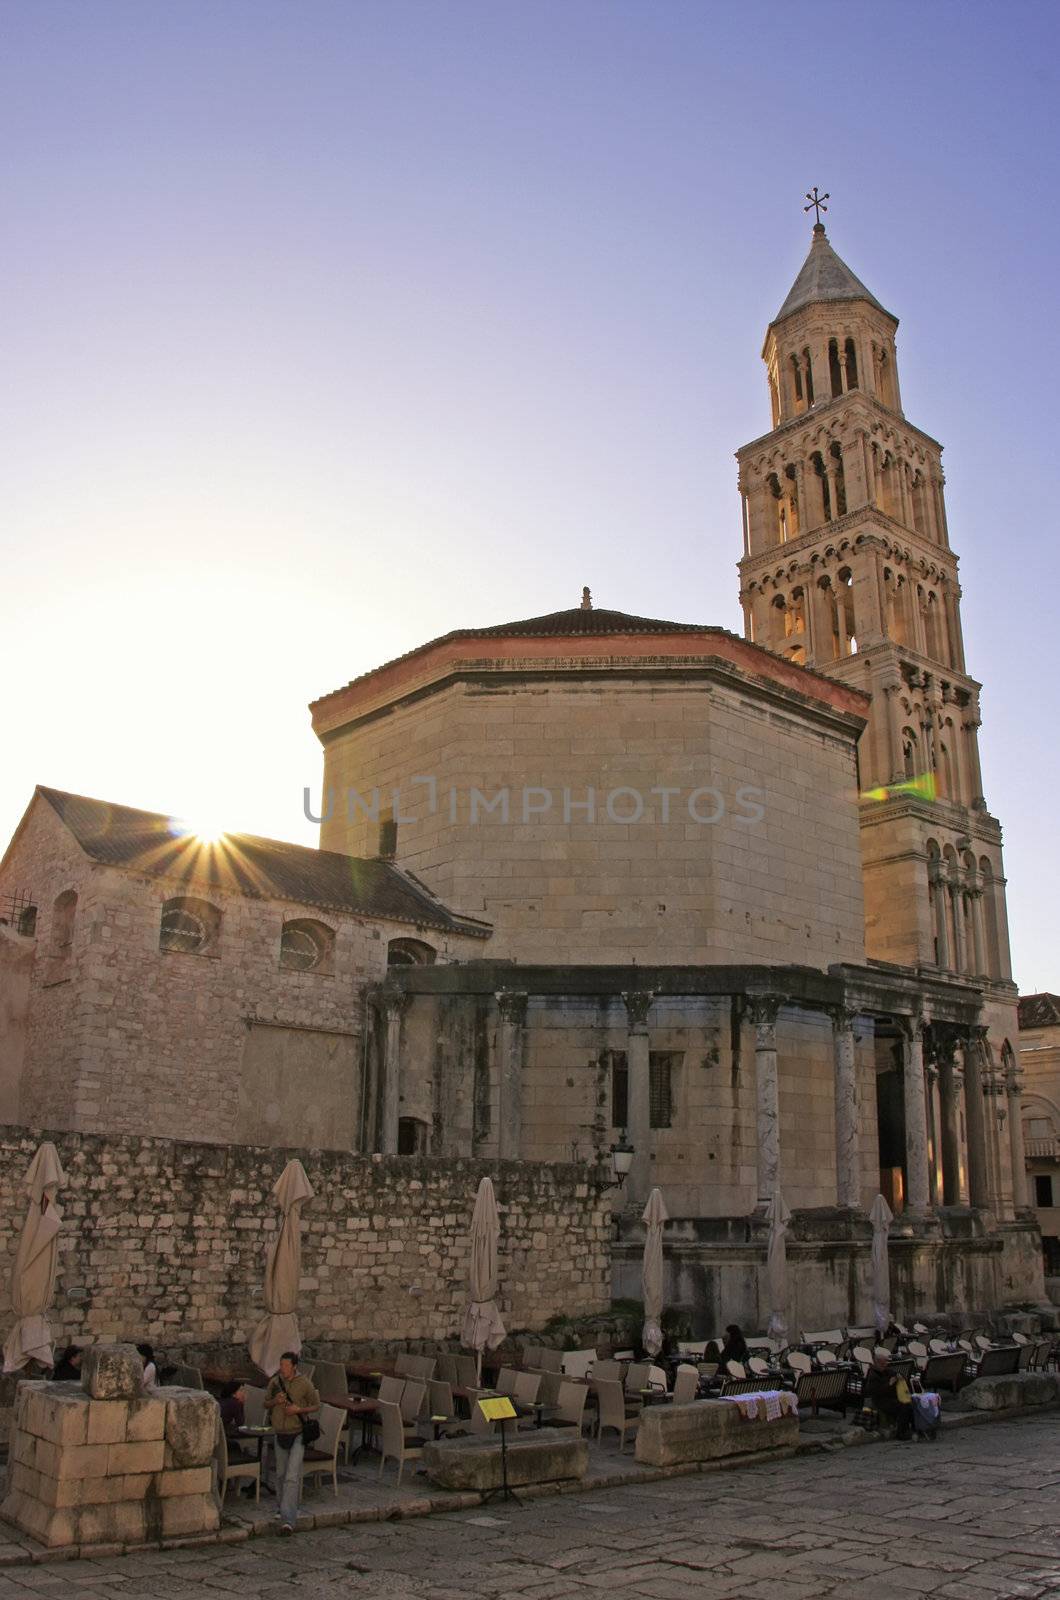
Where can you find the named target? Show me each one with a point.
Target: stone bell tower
(847, 568)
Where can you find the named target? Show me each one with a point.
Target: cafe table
(355, 1405)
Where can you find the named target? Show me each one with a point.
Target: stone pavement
(972, 1517)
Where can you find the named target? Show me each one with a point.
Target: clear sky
(329, 327)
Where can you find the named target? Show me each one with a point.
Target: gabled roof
(824, 276)
(1039, 1011)
(240, 863)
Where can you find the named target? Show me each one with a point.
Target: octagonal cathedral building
(746, 897)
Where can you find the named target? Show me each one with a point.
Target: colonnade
(946, 1071)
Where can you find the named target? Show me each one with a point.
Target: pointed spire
(825, 277)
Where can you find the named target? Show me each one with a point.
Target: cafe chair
(322, 1458)
(393, 1444)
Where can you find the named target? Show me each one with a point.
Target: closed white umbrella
(881, 1216)
(278, 1329)
(33, 1275)
(654, 1217)
(777, 1268)
(483, 1328)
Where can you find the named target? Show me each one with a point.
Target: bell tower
(847, 569)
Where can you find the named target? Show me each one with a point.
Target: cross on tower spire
(817, 203)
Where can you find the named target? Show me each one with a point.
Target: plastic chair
(254, 1406)
(413, 1401)
(237, 1468)
(798, 1361)
(506, 1381)
(570, 1406)
(322, 1458)
(527, 1385)
(686, 1384)
(613, 1411)
(393, 1444)
(329, 1380)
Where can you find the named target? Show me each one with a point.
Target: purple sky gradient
(327, 328)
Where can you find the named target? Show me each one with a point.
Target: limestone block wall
(128, 1038)
(650, 881)
(166, 1241)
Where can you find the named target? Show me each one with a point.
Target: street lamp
(622, 1155)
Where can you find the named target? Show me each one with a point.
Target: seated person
(735, 1346)
(231, 1406)
(68, 1367)
(889, 1395)
(150, 1369)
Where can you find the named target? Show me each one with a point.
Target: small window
(412, 1136)
(27, 922)
(1043, 1189)
(619, 1088)
(661, 1064)
(64, 914)
(1040, 1128)
(410, 953)
(306, 946)
(189, 927)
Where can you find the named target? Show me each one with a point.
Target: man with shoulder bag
(292, 1402)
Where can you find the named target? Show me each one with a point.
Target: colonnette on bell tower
(847, 567)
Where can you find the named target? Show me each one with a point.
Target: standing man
(289, 1399)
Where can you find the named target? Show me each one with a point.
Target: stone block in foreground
(1013, 1389)
(86, 1471)
(707, 1430)
(547, 1455)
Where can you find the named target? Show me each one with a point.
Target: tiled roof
(240, 863)
(575, 623)
(824, 277)
(1039, 1010)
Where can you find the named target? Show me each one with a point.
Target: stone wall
(166, 1241)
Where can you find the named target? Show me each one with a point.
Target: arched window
(839, 479)
(410, 953)
(817, 463)
(189, 927)
(796, 378)
(64, 914)
(307, 946)
(809, 375)
(835, 374)
(794, 522)
(852, 364)
(910, 753)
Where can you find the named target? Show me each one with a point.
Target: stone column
(977, 930)
(394, 1005)
(763, 1012)
(892, 692)
(949, 1133)
(511, 1046)
(1013, 1092)
(971, 724)
(942, 919)
(917, 1169)
(960, 953)
(931, 1084)
(847, 1148)
(638, 1079)
(975, 1116)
